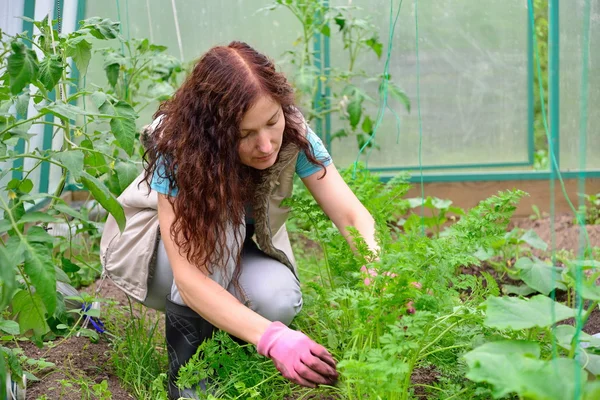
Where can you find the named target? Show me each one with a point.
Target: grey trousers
(270, 288)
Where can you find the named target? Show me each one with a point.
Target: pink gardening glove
(297, 357)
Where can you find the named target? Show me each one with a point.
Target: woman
(222, 156)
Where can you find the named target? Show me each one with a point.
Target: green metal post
(530, 92)
(327, 71)
(554, 80)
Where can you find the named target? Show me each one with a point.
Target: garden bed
(80, 363)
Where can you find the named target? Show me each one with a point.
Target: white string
(150, 21)
(177, 30)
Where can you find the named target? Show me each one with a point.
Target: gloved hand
(297, 357)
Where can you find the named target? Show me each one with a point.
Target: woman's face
(261, 131)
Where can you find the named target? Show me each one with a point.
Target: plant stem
(63, 178)
(458, 346)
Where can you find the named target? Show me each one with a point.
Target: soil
(79, 360)
(566, 231)
(79, 365)
(424, 376)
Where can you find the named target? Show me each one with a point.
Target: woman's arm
(342, 206)
(295, 355)
(202, 294)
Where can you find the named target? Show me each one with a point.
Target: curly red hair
(195, 147)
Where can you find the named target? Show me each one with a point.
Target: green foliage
(590, 211)
(349, 100)
(100, 152)
(231, 371)
(366, 316)
(137, 339)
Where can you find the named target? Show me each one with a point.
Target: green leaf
(340, 133)
(523, 290)
(37, 234)
(99, 98)
(10, 327)
(31, 313)
(375, 45)
(51, 69)
(69, 266)
(354, 109)
(81, 52)
(399, 95)
(367, 125)
(95, 163)
(533, 239)
(590, 291)
(13, 364)
(72, 160)
(112, 74)
(93, 312)
(8, 278)
(65, 209)
(101, 28)
(122, 124)
(22, 103)
(441, 204)
(60, 275)
(66, 111)
(40, 269)
(539, 275)
(515, 314)
(325, 30)
(89, 333)
(592, 391)
(514, 367)
(25, 186)
(565, 333)
(501, 364)
(340, 21)
(22, 67)
(126, 172)
(105, 198)
(37, 216)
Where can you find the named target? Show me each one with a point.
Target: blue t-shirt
(304, 167)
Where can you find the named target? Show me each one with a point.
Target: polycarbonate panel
(571, 61)
(473, 83)
(202, 24)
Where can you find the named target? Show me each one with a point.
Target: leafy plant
(591, 210)
(348, 97)
(44, 240)
(439, 210)
(397, 313)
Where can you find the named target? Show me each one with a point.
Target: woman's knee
(271, 288)
(277, 304)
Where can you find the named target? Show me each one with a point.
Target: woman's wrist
(258, 330)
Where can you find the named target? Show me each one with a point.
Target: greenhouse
(451, 249)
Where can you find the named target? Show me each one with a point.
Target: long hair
(195, 147)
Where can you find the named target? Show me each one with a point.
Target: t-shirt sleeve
(304, 167)
(159, 181)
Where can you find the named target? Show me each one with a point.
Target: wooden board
(468, 194)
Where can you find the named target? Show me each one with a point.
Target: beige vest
(127, 256)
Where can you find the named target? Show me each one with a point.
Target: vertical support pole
(554, 81)
(327, 71)
(530, 91)
(318, 65)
